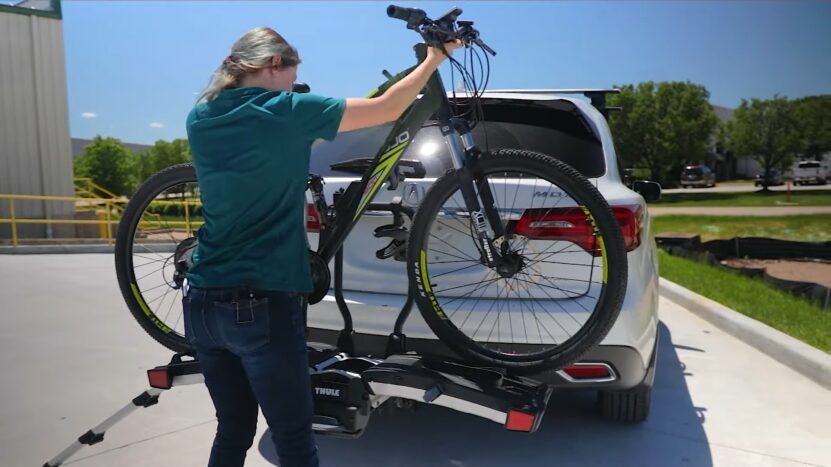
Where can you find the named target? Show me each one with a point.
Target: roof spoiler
(596, 96)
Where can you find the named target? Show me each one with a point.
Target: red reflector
(520, 421)
(312, 219)
(587, 371)
(159, 378)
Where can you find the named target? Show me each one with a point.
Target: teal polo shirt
(251, 147)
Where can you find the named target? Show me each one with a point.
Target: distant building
(36, 153)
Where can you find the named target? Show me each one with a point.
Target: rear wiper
(357, 166)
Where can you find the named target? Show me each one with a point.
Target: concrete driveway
(71, 355)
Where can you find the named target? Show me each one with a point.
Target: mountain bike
(515, 259)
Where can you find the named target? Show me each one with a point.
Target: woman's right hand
(436, 54)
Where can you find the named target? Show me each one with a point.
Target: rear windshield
(549, 131)
(809, 165)
(692, 171)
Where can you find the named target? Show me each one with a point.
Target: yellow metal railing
(85, 185)
(109, 212)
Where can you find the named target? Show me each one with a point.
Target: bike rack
(397, 341)
(347, 388)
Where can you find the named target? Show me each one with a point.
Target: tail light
(573, 225)
(312, 219)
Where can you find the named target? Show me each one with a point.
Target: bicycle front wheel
(561, 279)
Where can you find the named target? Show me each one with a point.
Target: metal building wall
(35, 148)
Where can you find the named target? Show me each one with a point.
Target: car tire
(631, 406)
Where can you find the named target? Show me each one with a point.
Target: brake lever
(484, 46)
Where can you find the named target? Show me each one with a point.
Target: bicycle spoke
(172, 302)
(576, 300)
(457, 270)
(562, 278)
(453, 256)
(460, 286)
(446, 262)
(453, 228)
(566, 264)
(556, 321)
(451, 246)
(154, 288)
(157, 270)
(553, 287)
(482, 285)
(150, 260)
(482, 288)
(557, 302)
(488, 313)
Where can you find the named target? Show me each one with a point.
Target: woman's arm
(363, 113)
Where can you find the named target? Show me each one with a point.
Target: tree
(814, 115)
(108, 163)
(162, 155)
(767, 130)
(662, 125)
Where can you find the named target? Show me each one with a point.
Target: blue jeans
(252, 350)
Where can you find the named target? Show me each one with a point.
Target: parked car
(697, 175)
(565, 127)
(774, 178)
(810, 172)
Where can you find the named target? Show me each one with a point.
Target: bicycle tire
(610, 300)
(125, 273)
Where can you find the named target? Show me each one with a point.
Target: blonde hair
(251, 52)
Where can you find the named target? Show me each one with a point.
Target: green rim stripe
(147, 311)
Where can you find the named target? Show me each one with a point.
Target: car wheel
(629, 406)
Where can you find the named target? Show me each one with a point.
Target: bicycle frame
(351, 205)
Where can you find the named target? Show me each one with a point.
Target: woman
(250, 138)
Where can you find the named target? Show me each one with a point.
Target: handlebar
(437, 32)
(412, 16)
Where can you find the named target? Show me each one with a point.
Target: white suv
(622, 368)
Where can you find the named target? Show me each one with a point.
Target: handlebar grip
(410, 15)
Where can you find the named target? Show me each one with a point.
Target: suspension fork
(486, 222)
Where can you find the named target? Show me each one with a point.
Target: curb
(55, 249)
(811, 362)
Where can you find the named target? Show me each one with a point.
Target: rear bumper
(694, 183)
(626, 362)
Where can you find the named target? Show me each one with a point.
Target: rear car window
(809, 165)
(692, 171)
(546, 130)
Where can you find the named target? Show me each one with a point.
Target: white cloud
(89, 115)
(156, 125)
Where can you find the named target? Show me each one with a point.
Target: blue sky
(134, 68)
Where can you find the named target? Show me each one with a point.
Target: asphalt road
(71, 355)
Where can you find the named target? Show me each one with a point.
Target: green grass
(792, 315)
(747, 198)
(807, 228)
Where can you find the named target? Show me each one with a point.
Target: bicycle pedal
(397, 232)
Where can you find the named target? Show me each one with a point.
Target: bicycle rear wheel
(562, 279)
(155, 236)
